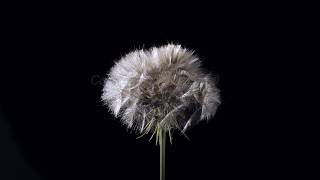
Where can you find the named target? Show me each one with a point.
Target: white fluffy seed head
(161, 86)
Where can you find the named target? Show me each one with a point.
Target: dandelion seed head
(163, 86)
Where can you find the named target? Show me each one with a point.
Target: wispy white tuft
(161, 86)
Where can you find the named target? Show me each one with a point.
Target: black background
(55, 126)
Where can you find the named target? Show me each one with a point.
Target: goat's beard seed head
(163, 86)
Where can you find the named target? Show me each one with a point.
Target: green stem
(162, 142)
